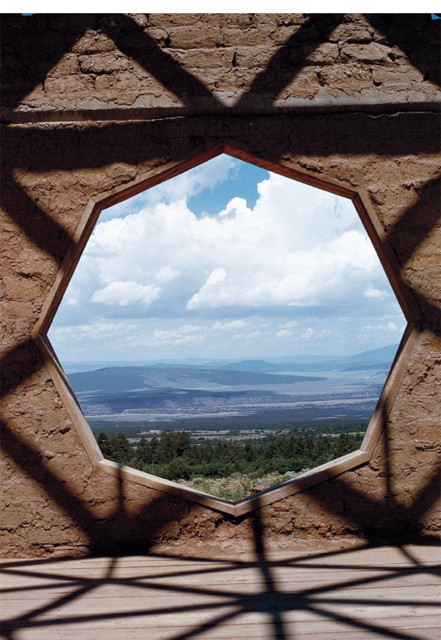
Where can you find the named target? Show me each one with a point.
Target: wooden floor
(357, 594)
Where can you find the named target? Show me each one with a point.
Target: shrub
(177, 469)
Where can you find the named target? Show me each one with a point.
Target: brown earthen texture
(53, 499)
(200, 62)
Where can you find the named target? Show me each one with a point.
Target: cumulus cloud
(372, 292)
(297, 251)
(390, 326)
(313, 334)
(182, 187)
(186, 334)
(99, 330)
(296, 247)
(124, 293)
(284, 333)
(234, 325)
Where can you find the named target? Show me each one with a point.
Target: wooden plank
(263, 628)
(285, 583)
(238, 616)
(218, 573)
(134, 601)
(373, 555)
(290, 633)
(282, 575)
(323, 595)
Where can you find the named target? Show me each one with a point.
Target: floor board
(351, 594)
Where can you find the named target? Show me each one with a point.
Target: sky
(226, 261)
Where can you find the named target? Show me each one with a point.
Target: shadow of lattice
(207, 594)
(22, 361)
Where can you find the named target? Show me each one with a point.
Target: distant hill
(117, 379)
(215, 386)
(382, 355)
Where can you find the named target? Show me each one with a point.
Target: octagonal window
(229, 329)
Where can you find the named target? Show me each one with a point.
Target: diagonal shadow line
(111, 568)
(309, 557)
(271, 81)
(58, 602)
(63, 497)
(382, 508)
(147, 53)
(15, 623)
(124, 32)
(411, 556)
(40, 229)
(318, 594)
(160, 64)
(149, 581)
(26, 56)
(136, 583)
(10, 565)
(153, 59)
(414, 224)
(17, 363)
(353, 583)
(283, 602)
(207, 626)
(364, 626)
(17, 450)
(13, 446)
(413, 34)
(247, 600)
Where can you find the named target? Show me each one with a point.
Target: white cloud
(187, 334)
(372, 292)
(390, 326)
(314, 334)
(236, 206)
(167, 274)
(289, 325)
(234, 325)
(297, 247)
(284, 333)
(97, 330)
(298, 253)
(124, 293)
(182, 187)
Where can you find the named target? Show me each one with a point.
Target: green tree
(345, 444)
(121, 447)
(144, 451)
(177, 469)
(105, 445)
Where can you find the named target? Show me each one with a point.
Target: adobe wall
(90, 103)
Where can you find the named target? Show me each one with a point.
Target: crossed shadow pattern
(222, 601)
(32, 58)
(51, 238)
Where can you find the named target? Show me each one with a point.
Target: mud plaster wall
(92, 102)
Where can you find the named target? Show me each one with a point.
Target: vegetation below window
(227, 469)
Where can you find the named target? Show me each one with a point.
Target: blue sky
(226, 261)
